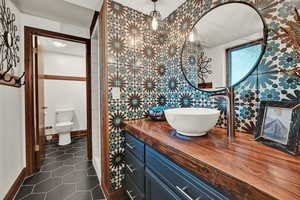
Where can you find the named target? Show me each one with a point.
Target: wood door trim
(16, 185)
(29, 90)
(105, 176)
(94, 21)
(64, 78)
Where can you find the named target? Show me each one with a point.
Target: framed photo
(278, 125)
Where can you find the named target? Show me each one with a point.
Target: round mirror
(224, 47)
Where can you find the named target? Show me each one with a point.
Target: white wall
(63, 64)
(96, 114)
(12, 120)
(12, 145)
(218, 55)
(46, 24)
(64, 94)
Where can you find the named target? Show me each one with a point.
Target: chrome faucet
(229, 96)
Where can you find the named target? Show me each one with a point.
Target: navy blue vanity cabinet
(134, 168)
(185, 184)
(156, 189)
(152, 176)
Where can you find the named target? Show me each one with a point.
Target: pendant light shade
(155, 17)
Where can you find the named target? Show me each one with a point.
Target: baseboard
(97, 167)
(15, 187)
(117, 195)
(73, 133)
(105, 189)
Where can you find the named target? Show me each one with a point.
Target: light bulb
(192, 37)
(154, 23)
(132, 41)
(59, 44)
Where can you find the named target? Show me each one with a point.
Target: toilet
(64, 125)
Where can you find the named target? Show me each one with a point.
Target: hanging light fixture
(156, 17)
(193, 35)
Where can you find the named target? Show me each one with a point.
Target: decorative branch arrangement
(290, 35)
(9, 48)
(203, 63)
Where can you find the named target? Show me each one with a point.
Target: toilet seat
(62, 124)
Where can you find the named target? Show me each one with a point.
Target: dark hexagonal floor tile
(88, 183)
(63, 171)
(75, 176)
(37, 178)
(97, 193)
(73, 161)
(64, 157)
(51, 166)
(80, 153)
(79, 144)
(86, 195)
(47, 185)
(23, 191)
(91, 172)
(50, 150)
(55, 154)
(73, 150)
(61, 192)
(40, 196)
(84, 165)
(48, 161)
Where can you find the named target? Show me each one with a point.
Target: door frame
(30, 115)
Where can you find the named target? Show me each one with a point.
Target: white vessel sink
(192, 121)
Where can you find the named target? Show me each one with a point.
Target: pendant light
(193, 35)
(156, 17)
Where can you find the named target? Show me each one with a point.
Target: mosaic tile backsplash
(146, 67)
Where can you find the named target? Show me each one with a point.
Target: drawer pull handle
(130, 195)
(182, 190)
(130, 169)
(129, 146)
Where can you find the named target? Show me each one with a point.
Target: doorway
(58, 85)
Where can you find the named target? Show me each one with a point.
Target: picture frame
(278, 125)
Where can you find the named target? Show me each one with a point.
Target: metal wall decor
(9, 48)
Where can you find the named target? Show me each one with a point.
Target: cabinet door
(157, 190)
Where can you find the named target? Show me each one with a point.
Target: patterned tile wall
(146, 66)
(133, 52)
(175, 91)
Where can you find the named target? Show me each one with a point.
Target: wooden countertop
(241, 167)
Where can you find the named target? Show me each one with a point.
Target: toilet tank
(64, 115)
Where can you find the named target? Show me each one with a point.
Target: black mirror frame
(265, 40)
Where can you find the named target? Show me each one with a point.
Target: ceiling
(70, 48)
(165, 7)
(222, 27)
(75, 12)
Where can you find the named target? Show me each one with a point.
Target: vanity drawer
(156, 189)
(186, 185)
(135, 170)
(135, 146)
(132, 191)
